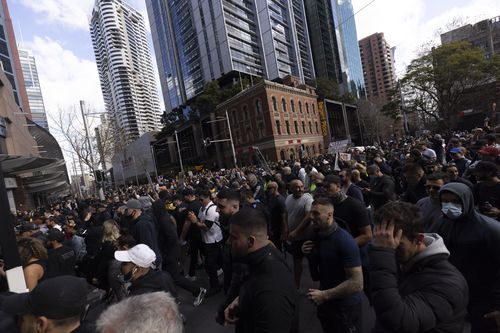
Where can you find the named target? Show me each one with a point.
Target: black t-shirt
(276, 210)
(484, 194)
(61, 262)
(353, 213)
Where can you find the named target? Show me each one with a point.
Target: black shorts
(295, 248)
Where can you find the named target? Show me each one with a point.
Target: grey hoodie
(474, 244)
(434, 245)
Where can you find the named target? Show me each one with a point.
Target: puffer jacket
(427, 294)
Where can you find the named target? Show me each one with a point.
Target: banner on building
(322, 118)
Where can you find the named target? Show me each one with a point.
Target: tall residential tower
(378, 67)
(198, 41)
(33, 89)
(125, 69)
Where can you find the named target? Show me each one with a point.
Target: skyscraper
(484, 34)
(125, 69)
(9, 59)
(198, 41)
(378, 67)
(334, 43)
(35, 99)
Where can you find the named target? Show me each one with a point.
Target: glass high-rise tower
(198, 41)
(33, 88)
(334, 43)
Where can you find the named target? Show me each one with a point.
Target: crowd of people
(412, 225)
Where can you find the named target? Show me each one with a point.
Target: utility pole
(231, 138)
(179, 151)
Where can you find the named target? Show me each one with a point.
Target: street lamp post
(230, 136)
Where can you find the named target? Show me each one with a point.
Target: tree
(376, 126)
(326, 88)
(435, 81)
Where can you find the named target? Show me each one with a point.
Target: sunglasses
(433, 187)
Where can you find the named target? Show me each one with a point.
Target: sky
(57, 31)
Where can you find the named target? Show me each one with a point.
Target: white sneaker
(190, 278)
(199, 298)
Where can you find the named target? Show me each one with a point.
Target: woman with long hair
(110, 235)
(33, 258)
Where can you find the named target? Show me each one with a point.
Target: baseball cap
(141, 255)
(489, 150)
(329, 179)
(134, 204)
(455, 150)
(56, 298)
(56, 235)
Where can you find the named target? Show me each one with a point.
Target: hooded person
(427, 294)
(472, 239)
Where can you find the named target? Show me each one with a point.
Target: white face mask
(452, 210)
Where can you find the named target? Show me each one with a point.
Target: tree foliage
(435, 82)
(326, 88)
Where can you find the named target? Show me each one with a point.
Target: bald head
(297, 188)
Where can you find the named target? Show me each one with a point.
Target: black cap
(60, 297)
(56, 235)
(331, 179)
(24, 227)
(187, 192)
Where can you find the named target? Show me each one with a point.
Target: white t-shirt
(209, 215)
(297, 209)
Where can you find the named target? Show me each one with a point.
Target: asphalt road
(201, 319)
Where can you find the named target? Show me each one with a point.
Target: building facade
(334, 44)
(33, 89)
(125, 69)
(378, 68)
(199, 41)
(484, 34)
(282, 120)
(9, 59)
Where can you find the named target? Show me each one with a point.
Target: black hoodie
(151, 282)
(474, 243)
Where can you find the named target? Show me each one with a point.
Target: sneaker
(199, 298)
(213, 291)
(190, 278)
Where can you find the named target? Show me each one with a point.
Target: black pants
(171, 265)
(213, 261)
(340, 319)
(195, 245)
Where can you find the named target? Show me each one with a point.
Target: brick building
(282, 120)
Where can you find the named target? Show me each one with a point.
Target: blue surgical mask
(452, 210)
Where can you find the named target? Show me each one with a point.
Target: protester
(382, 187)
(54, 306)
(267, 300)
(487, 189)
(61, 258)
(472, 239)
(33, 256)
(156, 312)
(427, 294)
(430, 205)
(334, 260)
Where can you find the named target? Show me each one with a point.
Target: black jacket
(268, 297)
(474, 243)
(151, 282)
(144, 231)
(382, 191)
(429, 295)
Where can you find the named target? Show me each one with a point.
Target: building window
(292, 103)
(314, 109)
(310, 128)
(287, 125)
(278, 127)
(275, 104)
(296, 126)
(316, 125)
(283, 102)
(300, 107)
(304, 127)
(245, 113)
(307, 108)
(258, 107)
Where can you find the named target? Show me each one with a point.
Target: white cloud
(73, 14)
(64, 77)
(405, 25)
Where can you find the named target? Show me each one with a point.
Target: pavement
(201, 319)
